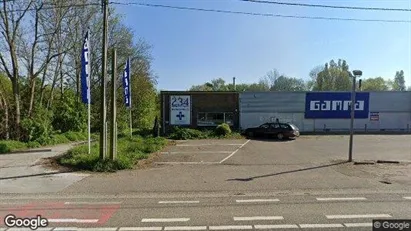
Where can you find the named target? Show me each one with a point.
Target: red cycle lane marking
(107, 213)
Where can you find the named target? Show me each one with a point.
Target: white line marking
(73, 220)
(186, 228)
(197, 152)
(187, 162)
(259, 218)
(407, 198)
(178, 202)
(232, 154)
(196, 145)
(257, 200)
(276, 226)
(358, 224)
(97, 229)
(350, 216)
(25, 229)
(321, 226)
(165, 219)
(65, 229)
(342, 199)
(90, 203)
(230, 227)
(141, 229)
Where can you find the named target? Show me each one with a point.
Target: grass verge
(129, 152)
(7, 146)
(194, 134)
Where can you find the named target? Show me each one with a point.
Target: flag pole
(89, 94)
(130, 114)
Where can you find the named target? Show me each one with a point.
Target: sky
(193, 47)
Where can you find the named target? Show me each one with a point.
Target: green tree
(374, 84)
(399, 81)
(334, 77)
(284, 83)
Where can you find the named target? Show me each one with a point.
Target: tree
(333, 77)
(374, 84)
(284, 83)
(399, 81)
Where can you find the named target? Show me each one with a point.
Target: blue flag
(85, 71)
(126, 84)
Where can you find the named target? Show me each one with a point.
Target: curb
(364, 162)
(29, 151)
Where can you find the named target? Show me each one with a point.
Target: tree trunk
(3, 102)
(16, 93)
(32, 89)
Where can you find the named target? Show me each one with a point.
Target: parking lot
(304, 150)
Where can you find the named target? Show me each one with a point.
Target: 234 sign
(180, 101)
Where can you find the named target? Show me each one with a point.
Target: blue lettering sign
(335, 105)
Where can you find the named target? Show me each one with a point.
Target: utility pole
(103, 109)
(113, 130)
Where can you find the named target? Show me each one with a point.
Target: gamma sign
(335, 105)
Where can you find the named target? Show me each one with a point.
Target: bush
(223, 130)
(75, 136)
(11, 145)
(129, 151)
(186, 134)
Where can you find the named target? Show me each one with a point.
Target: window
(275, 125)
(285, 126)
(264, 126)
(214, 118)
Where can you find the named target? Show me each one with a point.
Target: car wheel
(280, 136)
(250, 134)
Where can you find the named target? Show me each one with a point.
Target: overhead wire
(258, 14)
(327, 6)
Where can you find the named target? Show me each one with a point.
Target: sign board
(180, 110)
(374, 116)
(335, 105)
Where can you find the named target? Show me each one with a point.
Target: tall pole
(352, 118)
(113, 130)
(234, 83)
(103, 109)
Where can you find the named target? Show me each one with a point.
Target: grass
(7, 146)
(194, 134)
(129, 152)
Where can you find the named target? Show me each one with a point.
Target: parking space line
(187, 162)
(257, 200)
(285, 226)
(186, 228)
(232, 154)
(351, 216)
(178, 202)
(349, 225)
(303, 226)
(196, 145)
(342, 199)
(165, 219)
(65, 229)
(97, 229)
(258, 218)
(407, 198)
(230, 227)
(196, 152)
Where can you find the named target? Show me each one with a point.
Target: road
(231, 185)
(328, 211)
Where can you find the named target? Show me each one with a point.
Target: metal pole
(234, 83)
(164, 113)
(103, 109)
(131, 123)
(113, 135)
(352, 119)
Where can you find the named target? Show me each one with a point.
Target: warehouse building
(310, 111)
(328, 111)
(198, 109)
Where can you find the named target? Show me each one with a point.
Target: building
(198, 109)
(310, 111)
(328, 111)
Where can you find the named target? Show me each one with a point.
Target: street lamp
(356, 73)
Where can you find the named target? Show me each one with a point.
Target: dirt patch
(52, 163)
(149, 162)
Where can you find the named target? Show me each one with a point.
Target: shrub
(11, 145)
(186, 134)
(223, 130)
(75, 136)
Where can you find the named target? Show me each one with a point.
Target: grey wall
(256, 108)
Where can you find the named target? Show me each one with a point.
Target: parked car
(278, 130)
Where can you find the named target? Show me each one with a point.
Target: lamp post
(356, 73)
